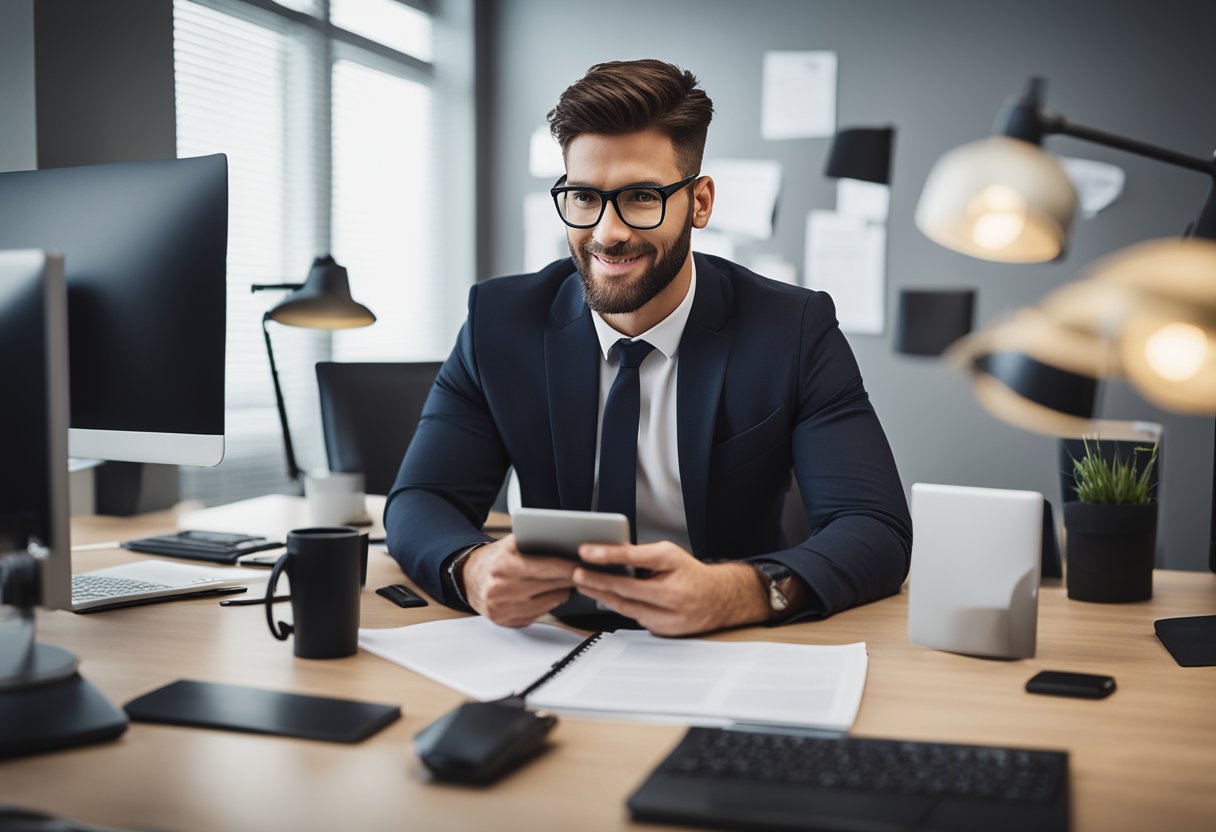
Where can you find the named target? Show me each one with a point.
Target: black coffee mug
(326, 568)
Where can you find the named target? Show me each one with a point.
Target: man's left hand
(682, 596)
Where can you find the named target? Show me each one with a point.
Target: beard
(611, 298)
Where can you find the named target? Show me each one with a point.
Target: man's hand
(511, 589)
(682, 596)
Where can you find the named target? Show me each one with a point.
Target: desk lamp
(322, 301)
(1148, 312)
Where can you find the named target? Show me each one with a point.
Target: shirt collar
(663, 336)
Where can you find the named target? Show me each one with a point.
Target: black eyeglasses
(638, 206)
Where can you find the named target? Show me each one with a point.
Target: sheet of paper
(544, 232)
(868, 200)
(774, 267)
(713, 242)
(545, 155)
(1098, 184)
(745, 195)
(709, 682)
(798, 99)
(846, 257)
(473, 655)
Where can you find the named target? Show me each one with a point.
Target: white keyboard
(95, 587)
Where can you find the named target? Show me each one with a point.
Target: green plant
(1116, 480)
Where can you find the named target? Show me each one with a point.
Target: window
(335, 131)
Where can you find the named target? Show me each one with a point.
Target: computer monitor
(34, 417)
(44, 703)
(145, 247)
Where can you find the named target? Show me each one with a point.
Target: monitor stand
(45, 704)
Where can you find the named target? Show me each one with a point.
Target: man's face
(624, 268)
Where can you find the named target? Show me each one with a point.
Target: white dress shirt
(660, 502)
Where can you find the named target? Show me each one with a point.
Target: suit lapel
(572, 373)
(704, 350)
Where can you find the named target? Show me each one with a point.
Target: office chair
(369, 412)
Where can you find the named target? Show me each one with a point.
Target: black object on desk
(55, 715)
(479, 742)
(216, 547)
(253, 710)
(1190, 640)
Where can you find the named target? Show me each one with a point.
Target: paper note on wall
(544, 232)
(846, 257)
(1098, 184)
(772, 266)
(798, 99)
(545, 155)
(745, 195)
(868, 200)
(713, 242)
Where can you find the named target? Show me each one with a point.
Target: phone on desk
(550, 532)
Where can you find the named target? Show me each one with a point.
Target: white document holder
(974, 581)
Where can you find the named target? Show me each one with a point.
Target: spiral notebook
(634, 675)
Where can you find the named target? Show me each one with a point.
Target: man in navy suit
(679, 389)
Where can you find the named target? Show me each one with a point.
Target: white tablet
(552, 532)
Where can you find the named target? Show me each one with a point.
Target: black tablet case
(257, 711)
(1191, 641)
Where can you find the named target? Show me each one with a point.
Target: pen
(248, 602)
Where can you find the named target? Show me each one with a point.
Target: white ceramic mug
(335, 498)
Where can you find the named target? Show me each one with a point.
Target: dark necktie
(619, 436)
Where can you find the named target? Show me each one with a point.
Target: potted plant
(1112, 526)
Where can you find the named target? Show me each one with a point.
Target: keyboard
(217, 547)
(92, 592)
(752, 780)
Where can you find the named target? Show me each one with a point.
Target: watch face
(776, 599)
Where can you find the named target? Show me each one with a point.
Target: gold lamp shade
(323, 302)
(999, 199)
(1167, 341)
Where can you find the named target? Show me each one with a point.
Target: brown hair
(628, 96)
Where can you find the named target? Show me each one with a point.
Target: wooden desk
(1143, 759)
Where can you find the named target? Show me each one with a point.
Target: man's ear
(703, 201)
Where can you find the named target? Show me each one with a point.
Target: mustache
(617, 252)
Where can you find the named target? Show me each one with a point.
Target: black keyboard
(217, 547)
(733, 778)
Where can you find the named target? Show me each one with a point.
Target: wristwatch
(778, 585)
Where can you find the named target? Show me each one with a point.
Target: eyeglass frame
(664, 191)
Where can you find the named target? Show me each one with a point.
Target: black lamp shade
(862, 153)
(1061, 391)
(928, 321)
(323, 302)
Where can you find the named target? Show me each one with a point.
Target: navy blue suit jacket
(766, 382)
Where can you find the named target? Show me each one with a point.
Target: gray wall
(18, 137)
(939, 70)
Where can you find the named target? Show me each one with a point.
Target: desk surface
(1143, 759)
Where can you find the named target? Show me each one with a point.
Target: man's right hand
(513, 589)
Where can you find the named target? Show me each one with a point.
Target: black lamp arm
(265, 287)
(293, 470)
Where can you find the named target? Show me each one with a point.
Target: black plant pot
(1111, 550)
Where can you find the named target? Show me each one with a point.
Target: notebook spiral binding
(561, 664)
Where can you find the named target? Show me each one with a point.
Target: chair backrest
(369, 412)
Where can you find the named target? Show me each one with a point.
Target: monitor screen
(145, 247)
(34, 416)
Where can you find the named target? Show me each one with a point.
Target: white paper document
(635, 675)
(545, 155)
(544, 232)
(868, 200)
(1098, 184)
(846, 257)
(713, 242)
(745, 195)
(799, 95)
(772, 266)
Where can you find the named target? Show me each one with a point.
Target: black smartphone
(1061, 683)
(402, 595)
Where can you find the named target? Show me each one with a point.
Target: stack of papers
(635, 675)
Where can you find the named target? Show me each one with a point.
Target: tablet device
(254, 710)
(555, 533)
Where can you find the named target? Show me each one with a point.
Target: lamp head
(323, 301)
(998, 198)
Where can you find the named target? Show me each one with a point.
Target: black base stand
(54, 715)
